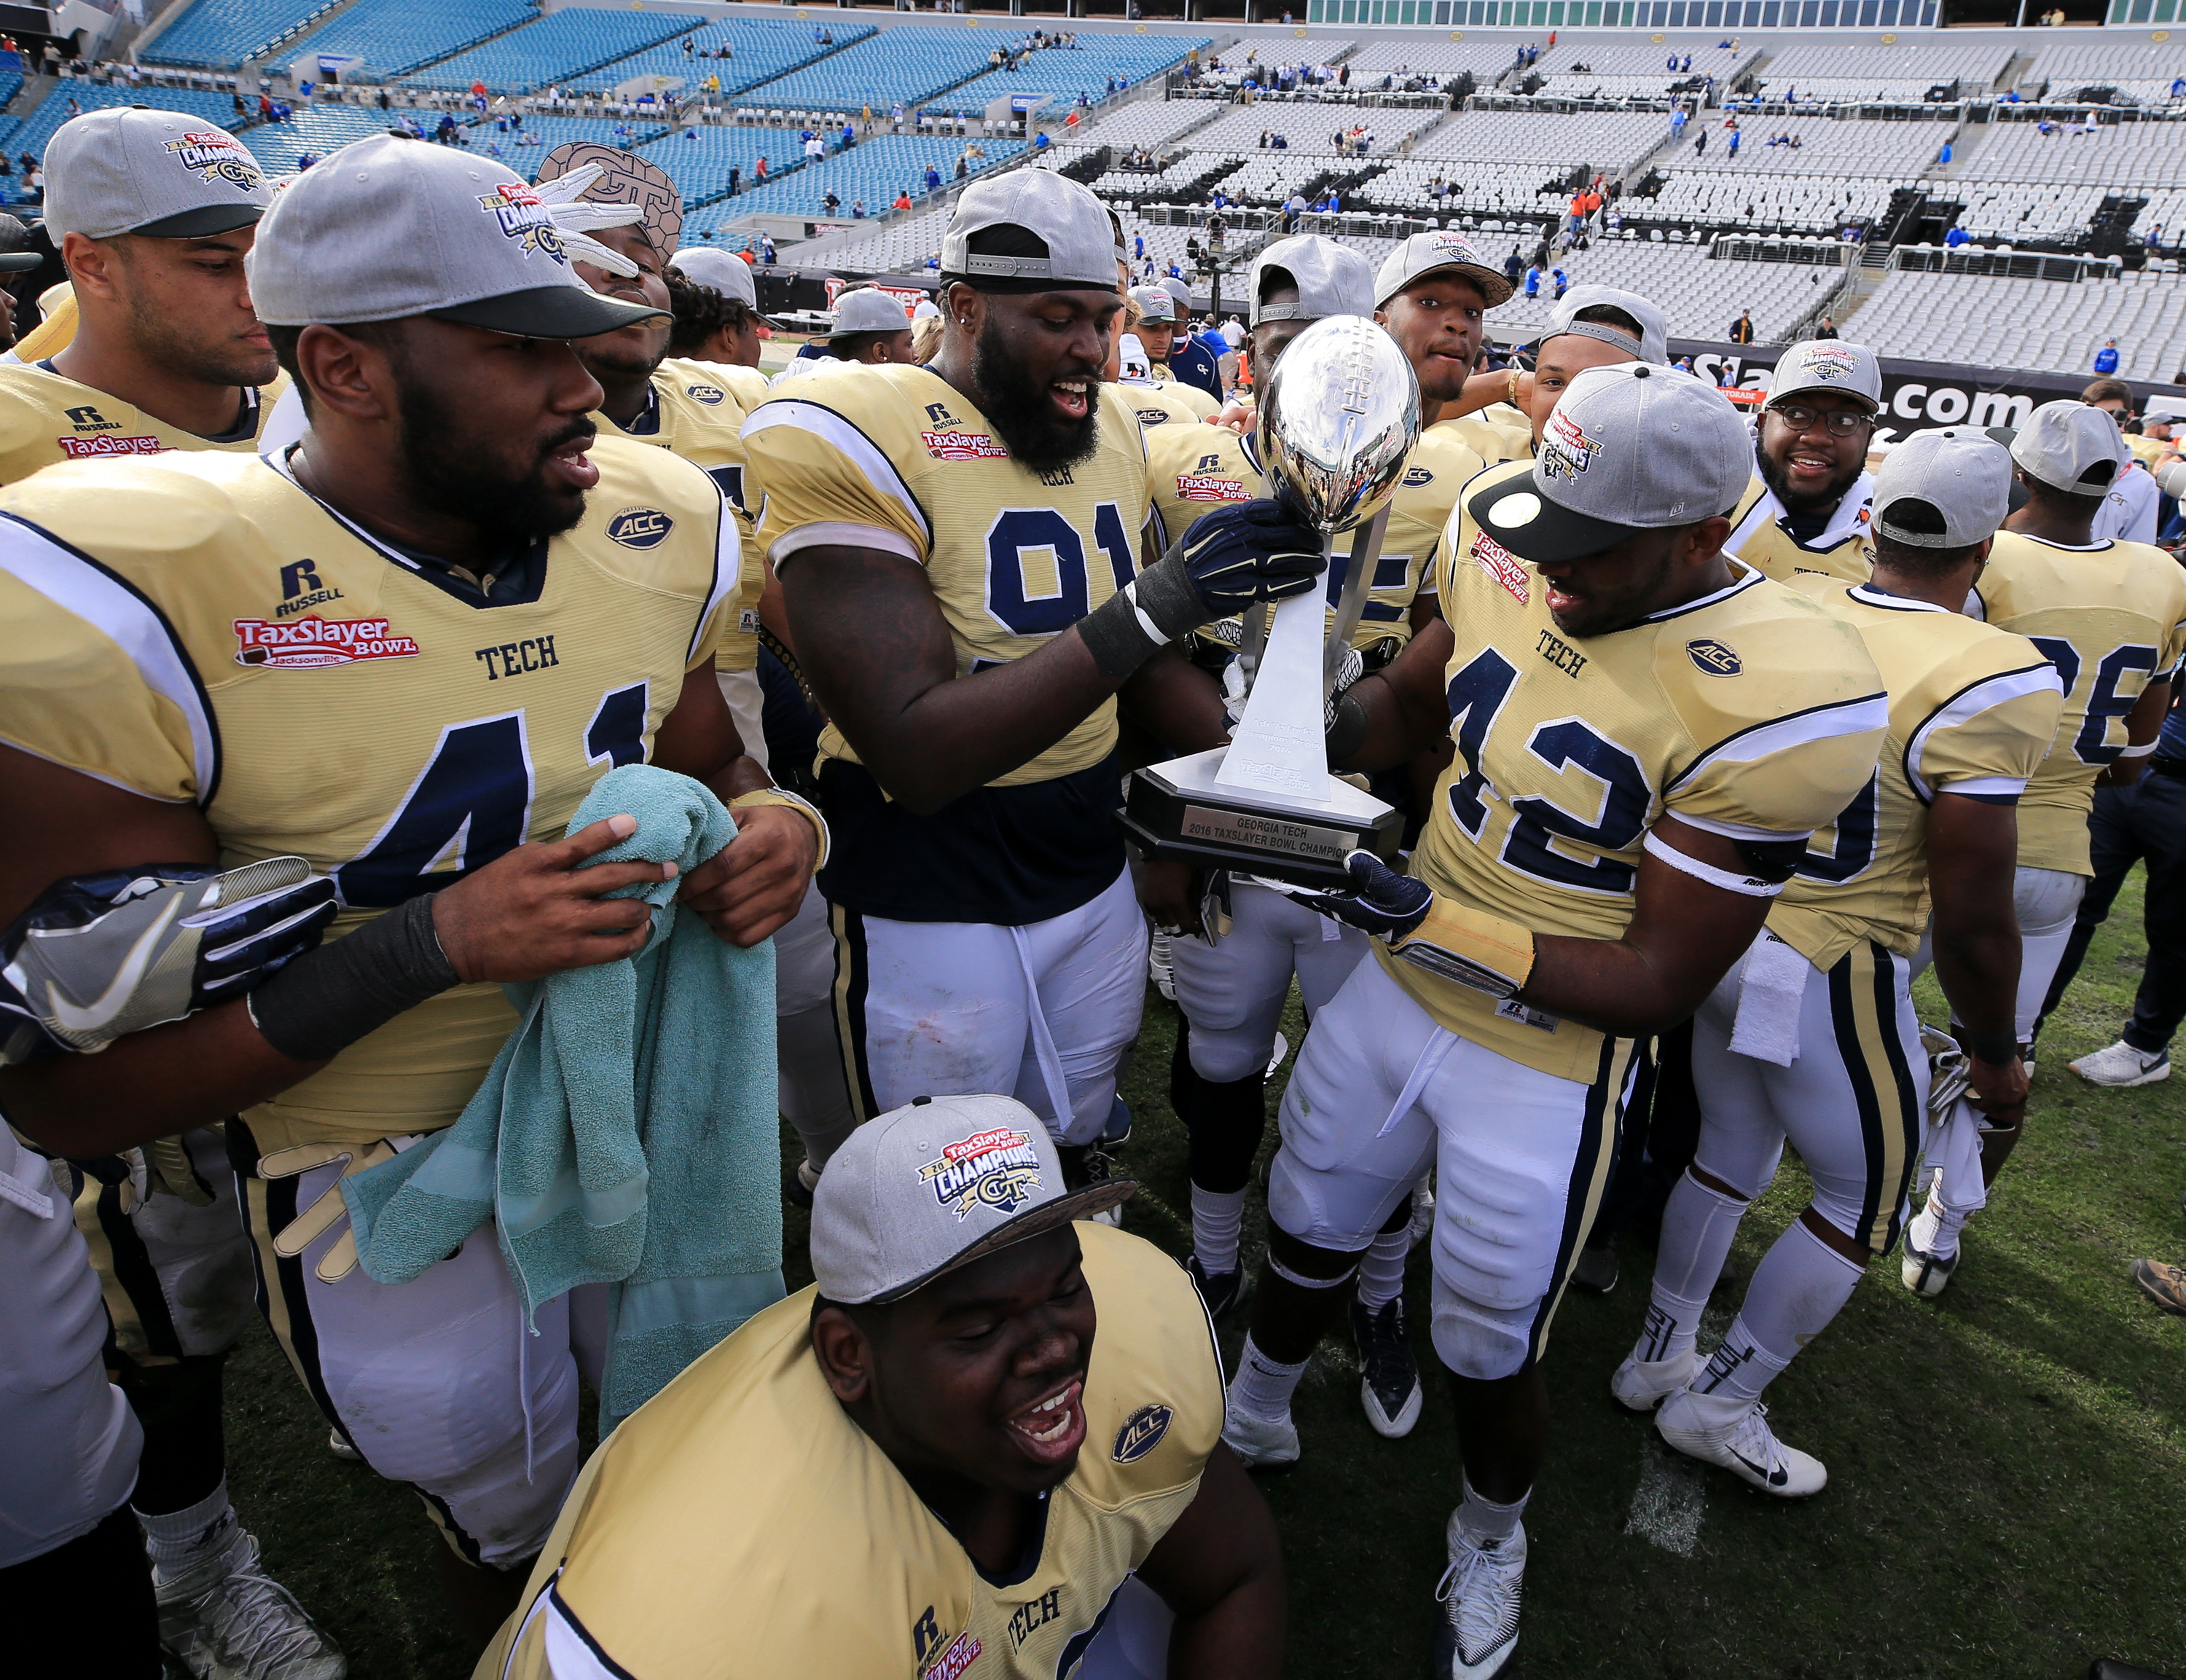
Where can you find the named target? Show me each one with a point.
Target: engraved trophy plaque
(1338, 417)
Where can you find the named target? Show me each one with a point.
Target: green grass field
(2008, 1464)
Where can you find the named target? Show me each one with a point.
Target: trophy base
(1177, 809)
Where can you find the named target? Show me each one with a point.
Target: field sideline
(2008, 1466)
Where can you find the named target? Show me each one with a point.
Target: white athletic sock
(176, 1539)
(1217, 1218)
(1263, 1386)
(1801, 1284)
(1484, 1520)
(1698, 1225)
(1935, 1229)
(1381, 1268)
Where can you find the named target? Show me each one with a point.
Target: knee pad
(1225, 1124)
(1485, 1343)
(1223, 1056)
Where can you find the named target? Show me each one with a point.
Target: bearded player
(479, 650)
(1811, 1038)
(1807, 508)
(1647, 733)
(2107, 614)
(955, 547)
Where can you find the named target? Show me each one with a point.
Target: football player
(953, 545)
(1647, 733)
(1811, 1037)
(726, 334)
(153, 213)
(2107, 614)
(1158, 325)
(440, 618)
(1806, 507)
(1003, 1504)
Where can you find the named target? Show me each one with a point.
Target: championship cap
(2072, 446)
(1943, 489)
(868, 310)
(1629, 447)
(455, 236)
(1654, 342)
(1155, 305)
(1828, 365)
(1040, 206)
(1427, 253)
(168, 176)
(1331, 279)
(16, 254)
(1182, 293)
(710, 266)
(936, 1184)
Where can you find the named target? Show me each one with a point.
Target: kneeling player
(986, 1490)
(1646, 735)
(1811, 1037)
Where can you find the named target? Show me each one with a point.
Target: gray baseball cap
(1425, 254)
(868, 310)
(453, 235)
(944, 1181)
(16, 254)
(1155, 305)
(710, 266)
(1331, 279)
(126, 170)
(1061, 213)
(1828, 365)
(1958, 478)
(1654, 343)
(1182, 292)
(2072, 446)
(1629, 447)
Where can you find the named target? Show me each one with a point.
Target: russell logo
(1711, 659)
(1141, 1433)
(640, 528)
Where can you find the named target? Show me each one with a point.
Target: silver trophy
(1337, 420)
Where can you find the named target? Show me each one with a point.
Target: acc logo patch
(214, 155)
(1711, 657)
(524, 217)
(1153, 417)
(306, 643)
(998, 1170)
(1141, 1433)
(1416, 476)
(640, 528)
(709, 395)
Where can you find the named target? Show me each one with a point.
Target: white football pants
(1233, 991)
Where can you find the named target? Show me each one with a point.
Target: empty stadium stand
(2030, 323)
(874, 171)
(909, 65)
(2142, 73)
(1064, 73)
(555, 49)
(761, 49)
(1847, 72)
(220, 34)
(1700, 294)
(396, 37)
(1638, 70)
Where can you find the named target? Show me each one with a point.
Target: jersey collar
(1870, 596)
(1737, 585)
(246, 414)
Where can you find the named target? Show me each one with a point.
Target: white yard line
(1671, 1497)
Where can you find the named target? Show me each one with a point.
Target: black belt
(2162, 765)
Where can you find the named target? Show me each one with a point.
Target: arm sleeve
(1987, 738)
(816, 476)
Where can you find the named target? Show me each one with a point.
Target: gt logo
(640, 528)
(91, 420)
(1711, 659)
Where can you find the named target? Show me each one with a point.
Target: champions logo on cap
(998, 1170)
(1827, 362)
(1566, 451)
(214, 154)
(525, 217)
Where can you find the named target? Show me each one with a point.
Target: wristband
(1470, 947)
(1997, 1046)
(2142, 751)
(327, 999)
(804, 808)
(1514, 384)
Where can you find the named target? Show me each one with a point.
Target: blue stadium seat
(874, 171)
(911, 63)
(763, 50)
(699, 165)
(317, 130)
(220, 34)
(33, 132)
(1064, 73)
(397, 36)
(556, 49)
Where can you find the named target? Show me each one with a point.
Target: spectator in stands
(1533, 280)
(1956, 238)
(766, 252)
(933, 179)
(1828, 329)
(736, 180)
(902, 199)
(1562, 283)
(857, 210)
(1700, 143)
(1742, 330)
(1734, 136)
(758, 168)
(2107, 358)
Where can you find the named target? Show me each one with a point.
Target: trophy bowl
(1339, 416)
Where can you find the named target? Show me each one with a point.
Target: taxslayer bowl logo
(1566, 451)
(963, 446)
(1205, 487)
(306, 643)
(709, 395)
(1502, 565)
(998, 1170)
(525, 218)
(1830, 363)
(1711, 657)
(953, 1661)
(91, 448)
(214, 155)
(640, 528)
(1141, 1433)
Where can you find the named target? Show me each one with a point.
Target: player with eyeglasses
(1807, 508)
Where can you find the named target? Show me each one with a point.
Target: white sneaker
(1480, 1593)
(1730, 1430)
(339, 1446)
(224, 1618)
(1642, 1385)
(1261, 1444)
(1926, 1274)
(2121, 1067)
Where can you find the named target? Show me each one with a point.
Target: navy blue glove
(1249, 551)
(1469, 947)
(1384, 903)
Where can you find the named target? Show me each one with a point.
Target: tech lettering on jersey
(1560, 654)
(532, 653)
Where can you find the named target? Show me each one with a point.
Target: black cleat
(1389, 1376)
(1224, 1292)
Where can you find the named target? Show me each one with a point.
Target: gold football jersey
(1971, 712)
(200, 629)
(46, 417)
(1498, 433)
(2108, 617)
(896, 458)
(1749, 713)
(742, 1525)
(693, 414)
(1158, 404)
(1759, 535)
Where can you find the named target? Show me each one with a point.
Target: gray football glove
(100, 955)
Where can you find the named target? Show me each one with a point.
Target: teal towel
(627, 1133)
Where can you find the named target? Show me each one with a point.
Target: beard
(1807, 502)
(1024, 417)
(448, 473)
(179, 349)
